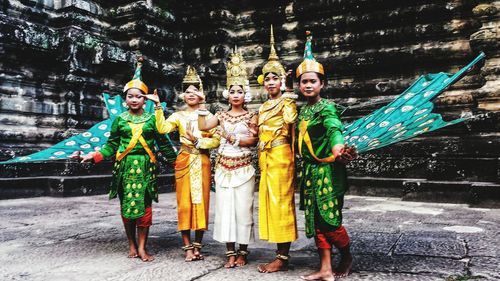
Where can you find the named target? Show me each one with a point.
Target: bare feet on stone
(198, 255)
(231, 262)
(145, 257)
(344, 267)
(319, 275)
(274, 266)
(132, 252)
(190, 256)
(241, 260)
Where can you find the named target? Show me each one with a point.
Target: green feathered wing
(91, 140)
(407, 116)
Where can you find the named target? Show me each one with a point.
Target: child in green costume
(323, 175)
(133, 139)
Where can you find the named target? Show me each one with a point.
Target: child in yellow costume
(192, 167)
(277, 221)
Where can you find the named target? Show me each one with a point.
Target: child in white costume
(234, 173)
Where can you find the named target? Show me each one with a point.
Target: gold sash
(136, 136)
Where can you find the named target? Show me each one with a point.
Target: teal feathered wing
(91, 140)
(407, 116)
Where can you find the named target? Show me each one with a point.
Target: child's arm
(333, 127)
(205, 123)
(252, 138)
(165, 126)
(209, 140)
(290, 111)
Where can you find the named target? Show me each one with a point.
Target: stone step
(482, 194)
(62, 186)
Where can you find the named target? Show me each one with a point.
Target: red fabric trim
(144, 221)
(338, 238)
(98, 157)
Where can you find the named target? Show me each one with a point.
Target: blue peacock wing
(407, 116)
(91, 140)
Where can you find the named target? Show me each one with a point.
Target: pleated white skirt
(234, 213)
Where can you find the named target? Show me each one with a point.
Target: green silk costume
(134, 172)
(323, 184)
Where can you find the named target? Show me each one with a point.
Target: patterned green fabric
(133, 177)
(135, 174)
(322, 185)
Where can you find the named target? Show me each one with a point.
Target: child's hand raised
(154, 97)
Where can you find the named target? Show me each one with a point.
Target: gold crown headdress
(309, 64)
(236, 70)
(192, 78)
(136, 82)
(237, 75)
(273, 64)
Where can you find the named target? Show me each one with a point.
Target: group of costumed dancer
(234, 132)
(277, 131)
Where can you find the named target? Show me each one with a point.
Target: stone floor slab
(81, 238)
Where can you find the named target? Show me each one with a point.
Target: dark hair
(321, 77)
(265, 74)
(185, 86)
(230, 86)
(124, 94)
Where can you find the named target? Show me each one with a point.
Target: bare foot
(275, 265)
(132, 252)
(230, 262)
(190, 256)
(344, 267)
(197, 254)
(145, 257)
(241, 260)
(320, 275)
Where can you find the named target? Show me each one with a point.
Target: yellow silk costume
(277, 221)
(192, 168)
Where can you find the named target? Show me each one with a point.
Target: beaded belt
(193, 150)
(233, 163)
(274, 143)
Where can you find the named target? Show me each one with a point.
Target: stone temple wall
(59, 56)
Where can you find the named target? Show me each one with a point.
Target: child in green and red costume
(323, 175)
(133, 139)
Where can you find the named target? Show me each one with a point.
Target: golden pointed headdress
(273, 64)
(136, 82)
(309, 64)
(236, 70)
(192, 78)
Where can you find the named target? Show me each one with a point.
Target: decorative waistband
(192, 150)
(274, 143)
(233, 162)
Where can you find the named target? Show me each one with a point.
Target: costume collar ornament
(136, 82)
(309, 64)
(273, 64)
(237, 75)
(192, 78)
